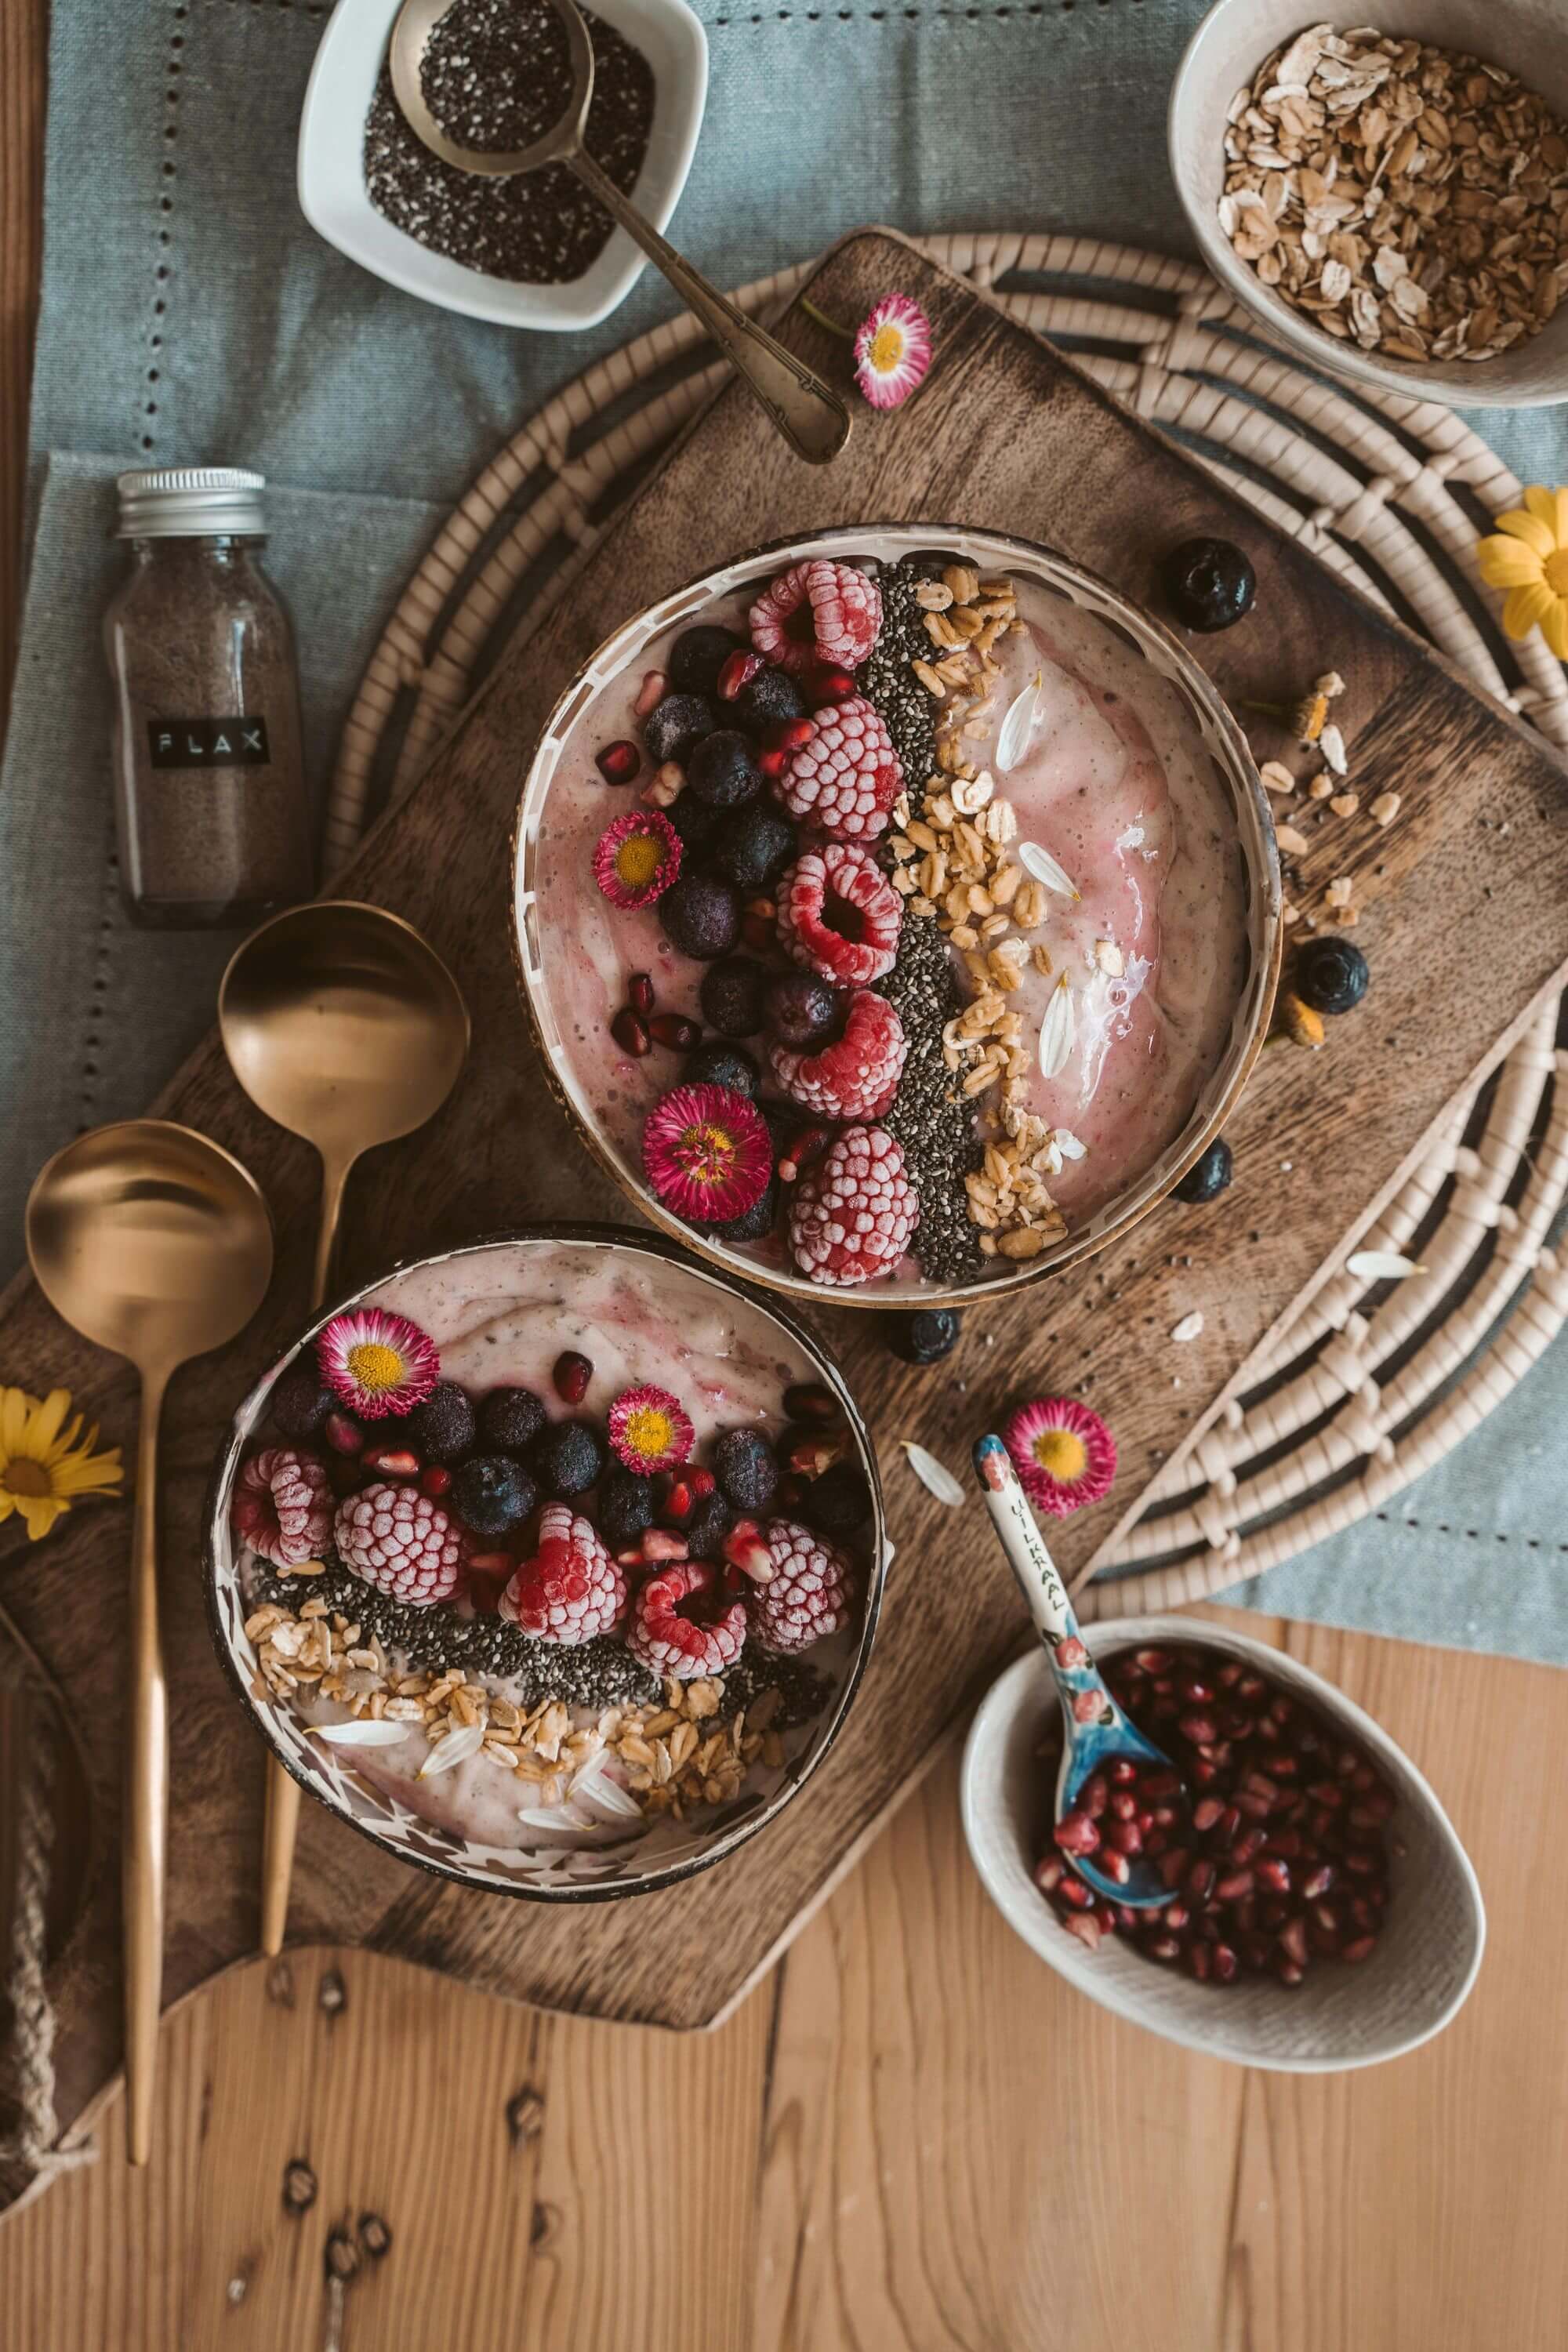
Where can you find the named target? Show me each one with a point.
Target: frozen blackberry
(722, 771)
(701, 916)
(626, 1507)
(839, 1501)
(733, 992)
(706, 1526)
(772, 696)
(694, 821)
(567, 1457)
(1206, 1179)
(747, 1469)
(509, 1420)
(299, 1404)
(698, 655)
(492, 1494)
(719, 1064)
(802, 1010)
(443, 1428)
(753, 845)
(757, 1221)
(1332, 975)
(674, 725)
(925, 1337)
(1210, 584)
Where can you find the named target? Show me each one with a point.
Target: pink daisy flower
(651, 1431)
(1064, 1454)
(637, 858)
(378, 1363)
(706, 1153)
(892, 350)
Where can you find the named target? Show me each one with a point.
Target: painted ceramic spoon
(1098, 1733)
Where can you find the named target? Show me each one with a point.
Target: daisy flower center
(24, 1477)
(707, 1154)
(638, 860)
(648, 1431)
(887, 346)
(1061, 1453)
(375, 1366)
(1554, 570)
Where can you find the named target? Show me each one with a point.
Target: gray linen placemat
(189, 315)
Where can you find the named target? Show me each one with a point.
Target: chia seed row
(929, 1120)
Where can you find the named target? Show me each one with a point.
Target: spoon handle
(1024, 1545)
(145, 1845)
(812, 418)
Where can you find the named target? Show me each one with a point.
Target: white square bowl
(336, 202)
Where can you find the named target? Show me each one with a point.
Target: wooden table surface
(911, 2134)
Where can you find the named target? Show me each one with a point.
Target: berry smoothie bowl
(552, 1563)
(898, 912)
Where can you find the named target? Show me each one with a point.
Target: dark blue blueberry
(626, 1507)
(443, 1428)
(698, 655)
(757, 1221)
(925, 1337)
(694, 821)
(567, 1458)
(1332, 975)
(677, 723)
(747, 1469)
(705, 1526)
(802, 1009)
(1206, 1179)
(1210, 584)
(772, 696)
(300, 1403)
(701, 916)
(753, 845)
(492, 1494)
(509, 1420)
(839, 1501)
(722, 771)
(719, 1064)
(733, 992)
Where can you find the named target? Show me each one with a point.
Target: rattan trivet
(1364, 1391)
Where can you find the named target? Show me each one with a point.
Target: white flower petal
(1067, 1144)
(1331, 744)
(1013, 736)
(360, 1731)
(1380, 1265)
(1189, 1327)
(1058, 1031)
(1044, 867)
(933, 1475)
(454, 1749)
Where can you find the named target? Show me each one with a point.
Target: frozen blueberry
(719, 1064)
(1210, 584)
(698, 655)
(839, 1501)
(694, 821)
(443, 1428)
(747, 1469)
(732, 993)
(753, 845)
(1332, 975)
(626, 1507)
(509, 1420)
(677, 723)
(1206, 1179)
(492, 1494)
(701, 914)
(722, 771)
(300, 1403)
(567, 1457)
(772, 696)
(802, 1010)
(758, 1220)
(706, 1526)
(925, 1337)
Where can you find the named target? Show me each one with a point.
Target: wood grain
(1014, 436)
(24, 29)
(912, 2139)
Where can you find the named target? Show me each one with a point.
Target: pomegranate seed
(651, 692)
(1326, 1793)
(790, 734)
(618, 762)
(1201, 1880)
(811, 1400)
(744, 1549)
(1281, 1766)
(1274, 1874)
(659, 1543)
(773, 763)
(1230, 1673)
(629, 1031)
(1176, 1914)
(826, 682)
(1290, 1973)
(1173, 1866)
(1152, 1661)
(1318, 1882)
(639, 991)
(1075, 1833)
(1229, 1831)
(739, 669)
(678, 1503)
(1369, 1812)
(807, 1148)
(1206, 1813)
(1116, 1868)
(1193, 1686)
(1123, 1805)
(1362, 1915)
(1155, 1842)
(1222, 1963)
(1162, 1948)
(1124, 1837)
(1198, 1961)
(572, 1375)
(434, 1479)
(811, 1455)
(491, 1563)
(1073, 1891)
(1120, 1771)
(342, 1434)
(673, 1030)
(1085, 1927)
(1200, 1729)
(1360, 1949)
(1094, 1795)
(757, 931)
(702, 1483)
(1158, 1784)
(1360, 1864)
(1285, 1842)
(1203, 1773)
(1145, 1819)
(1232, 1885)
(1048, 1872)
(391, 1461)
(1256, 1807)
(1293, 1941)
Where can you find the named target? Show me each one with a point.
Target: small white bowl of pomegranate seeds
(1323, 1914)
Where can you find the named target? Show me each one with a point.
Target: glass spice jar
(213, 818)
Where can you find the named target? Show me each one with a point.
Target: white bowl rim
(1451, 384)
(1001, 1704)
(326, 186)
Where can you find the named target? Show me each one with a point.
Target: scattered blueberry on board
(1207, 1177)
(1210, 584)
(925, 1337)
(1332, 975)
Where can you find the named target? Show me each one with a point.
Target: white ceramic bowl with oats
(1113, 805)
(1339, 2015)
(1524, 38)
(444, 1719)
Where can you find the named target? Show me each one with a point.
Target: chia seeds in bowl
(990, 808)
(635, 1646)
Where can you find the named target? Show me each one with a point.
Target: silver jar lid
(192, 502)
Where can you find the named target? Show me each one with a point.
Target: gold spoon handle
(280, 1823)
(812, 418)
(146, 1793)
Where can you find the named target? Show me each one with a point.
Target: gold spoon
(151, 1241)
(812, 417)
(345, 1027)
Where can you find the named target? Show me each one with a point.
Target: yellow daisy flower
(45, 1466)
(1528, 555)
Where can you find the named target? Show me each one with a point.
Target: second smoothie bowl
(550, 1563)
(897, 911)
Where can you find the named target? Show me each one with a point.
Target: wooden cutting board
(1464, 914)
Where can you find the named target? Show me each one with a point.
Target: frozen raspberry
(283, 1505)
(807, 1595)
(399, 1540)
(669, 1640)
(846, 777)
(840, 915)
(817, 612)
(570, 1590)
(858, 1076)
(852, 1213)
